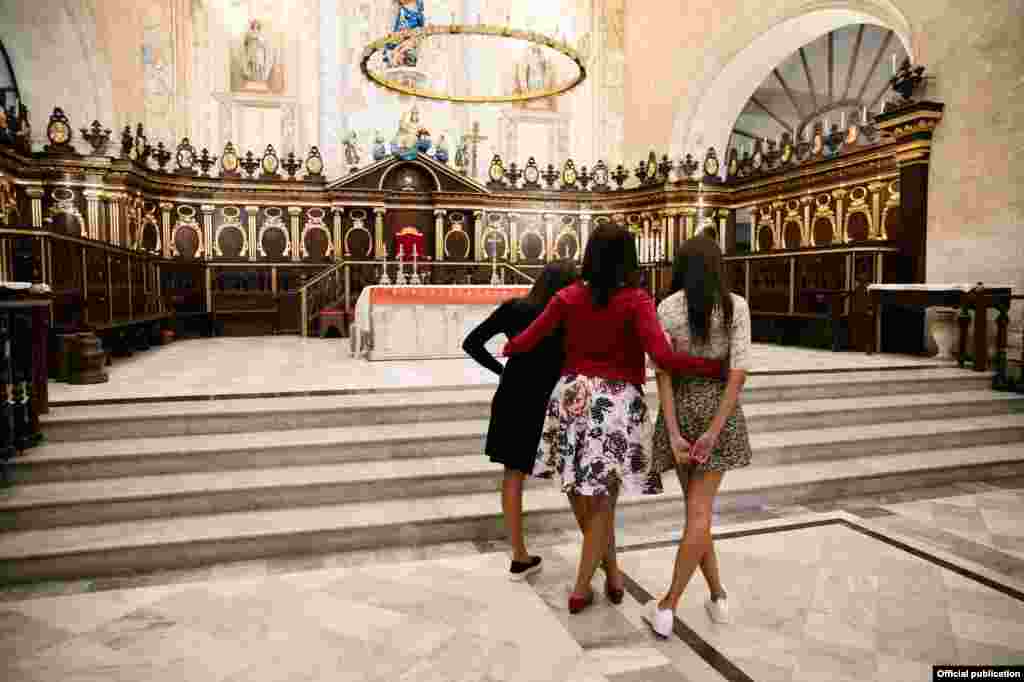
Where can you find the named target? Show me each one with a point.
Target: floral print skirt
(697, 402)
(597, 436)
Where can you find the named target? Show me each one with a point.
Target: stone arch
(708, 121)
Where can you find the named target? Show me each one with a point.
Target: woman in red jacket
(596, 417)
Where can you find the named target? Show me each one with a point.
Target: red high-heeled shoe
(577, 603)
(614, 596)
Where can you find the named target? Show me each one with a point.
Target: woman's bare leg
(701, 490)
(595, 543)
(512, 508)
(611, 560)
(709, 564)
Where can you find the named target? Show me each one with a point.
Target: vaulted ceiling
(846, 70)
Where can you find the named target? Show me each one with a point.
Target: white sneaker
(718, 610)
(661, 620)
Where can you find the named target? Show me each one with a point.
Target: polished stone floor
(284, 364)
(869, 588)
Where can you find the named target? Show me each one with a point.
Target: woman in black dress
(520, 403)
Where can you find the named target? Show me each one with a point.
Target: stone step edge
(196, 483)
(200, 445)
(413, 399)
(424, 388)
(538, 503)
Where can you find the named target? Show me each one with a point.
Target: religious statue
(461, 156)
(441, 151)
(380, 149)
(351, 150)
(535, 73)
(258, 62)
(404, 144)
(3, 124)
(409, 16)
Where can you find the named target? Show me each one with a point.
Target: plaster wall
(677, 53)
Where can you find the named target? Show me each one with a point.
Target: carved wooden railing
(24, 323)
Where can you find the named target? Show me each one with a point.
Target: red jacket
(610, 342)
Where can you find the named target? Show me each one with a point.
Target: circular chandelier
(415, 35)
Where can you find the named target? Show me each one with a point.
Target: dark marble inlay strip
(920, 554)
(702, 648)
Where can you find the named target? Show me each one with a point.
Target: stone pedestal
(944, 331)
(87, 360)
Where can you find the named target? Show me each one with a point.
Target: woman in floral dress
(593, 436)
(701, 432)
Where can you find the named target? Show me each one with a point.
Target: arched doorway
(710, 121)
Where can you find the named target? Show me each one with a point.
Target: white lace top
(733, 343)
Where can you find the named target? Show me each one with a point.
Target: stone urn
(944, 331)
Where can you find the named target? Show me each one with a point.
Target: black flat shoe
(520, 569)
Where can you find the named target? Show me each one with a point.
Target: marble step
(90, 551)
(124, 498)
(781, 432)
(197, 417)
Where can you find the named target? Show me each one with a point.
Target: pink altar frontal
(423, 322)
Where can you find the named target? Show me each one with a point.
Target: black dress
(527, 379)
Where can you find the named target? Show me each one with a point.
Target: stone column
(36, 196)
(165, 241)
(207, 211)
(114, 206)
(877, 229)
(777, 224)
(293, 214)
(513, 238)
(378, 232)
(670, 235)
(723, 227)
(808, 226)
(339, 250)
(842, 237)
(549, 237)
(585, 219)
(439, 215)
(250, 213)
(478, 231)
(92, 227)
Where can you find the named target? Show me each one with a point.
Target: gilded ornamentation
(231, 217)
(64, 199)
(273, 219)
(187, 221)
(358, 217)
(416, 35)
(315, 221)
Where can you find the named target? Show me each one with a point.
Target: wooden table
(978, 296)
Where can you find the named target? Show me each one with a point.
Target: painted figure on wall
(534, 73)
(257, 66)
(410, 15)
(257, 54)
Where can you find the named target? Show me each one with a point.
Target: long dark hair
(610, 263)
(554, 277)
(698, 270)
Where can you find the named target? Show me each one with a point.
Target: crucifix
(474, 139)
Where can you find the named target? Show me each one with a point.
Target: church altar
(423, 322)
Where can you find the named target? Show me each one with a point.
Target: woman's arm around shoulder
(547, 322)
(654, 342)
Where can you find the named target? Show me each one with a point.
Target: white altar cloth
(423, 322)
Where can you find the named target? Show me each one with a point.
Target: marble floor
(869, 588)
(269, 365)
